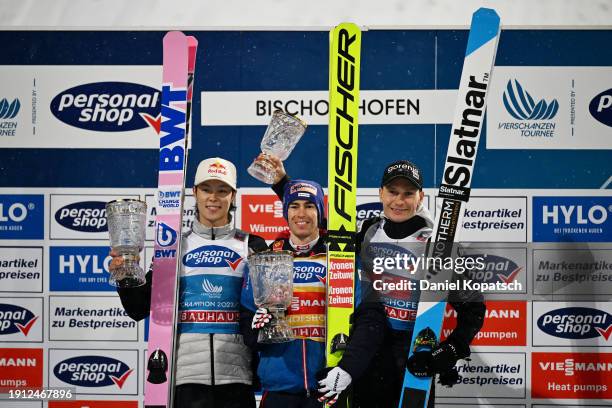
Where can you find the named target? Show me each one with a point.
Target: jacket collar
(205, 232)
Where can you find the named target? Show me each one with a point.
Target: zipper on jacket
(305, 367)
(212, 360)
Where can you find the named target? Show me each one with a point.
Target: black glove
(449, 378)
(429, 363)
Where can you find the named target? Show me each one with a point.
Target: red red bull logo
(217, 168)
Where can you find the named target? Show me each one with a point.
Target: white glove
(337, 380)
(261, 318)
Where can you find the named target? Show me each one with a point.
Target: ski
(179, 53)
(344, 62)
(455, 187)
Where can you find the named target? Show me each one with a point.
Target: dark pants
(381, 385)
(214, 396)
(273, 399)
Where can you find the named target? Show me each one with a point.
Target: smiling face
(213, 199)
(302, 217)
(400, 199)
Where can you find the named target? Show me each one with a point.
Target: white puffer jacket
(212, 358)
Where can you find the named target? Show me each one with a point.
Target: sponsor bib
(211, 282)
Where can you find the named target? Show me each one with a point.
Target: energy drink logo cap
(217, 168)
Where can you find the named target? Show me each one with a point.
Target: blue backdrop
(298, 60)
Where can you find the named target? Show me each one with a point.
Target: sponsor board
(505, 324)
(93, 404)
(572, 219)
(262, 214)
(21, 404)
(21, 367)
(21, 216)
(21, 269)
(79, 268)
(481, 405)
(502, 264)
(550, 108)
(571, 375)
(489, 375)
(9, 111)
(572, 324)
(369, 206)
(251, 108)
(78, 216)
(113, 372)
(188, 213)
(94, 318)
(568, 406)
(494, 219)
(572, 271)
(21, 320)
(107, 106)
(71, 107)
(600, 107)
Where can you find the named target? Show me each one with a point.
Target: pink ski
(178, 68)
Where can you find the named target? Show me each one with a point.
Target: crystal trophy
(282, 134)
(271, 275)
(126, 226)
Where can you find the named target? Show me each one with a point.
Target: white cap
(216, 168)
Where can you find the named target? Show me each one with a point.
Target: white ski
(457, 177)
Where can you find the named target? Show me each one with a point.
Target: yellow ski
(344, 62)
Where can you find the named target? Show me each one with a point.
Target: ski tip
(351, 27)
(173, 35)
(485, 27)
(192, 41)
(192, 44)
(486, 15)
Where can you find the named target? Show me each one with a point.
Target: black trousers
(273, 399)
(214, 396)
(381, 385)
